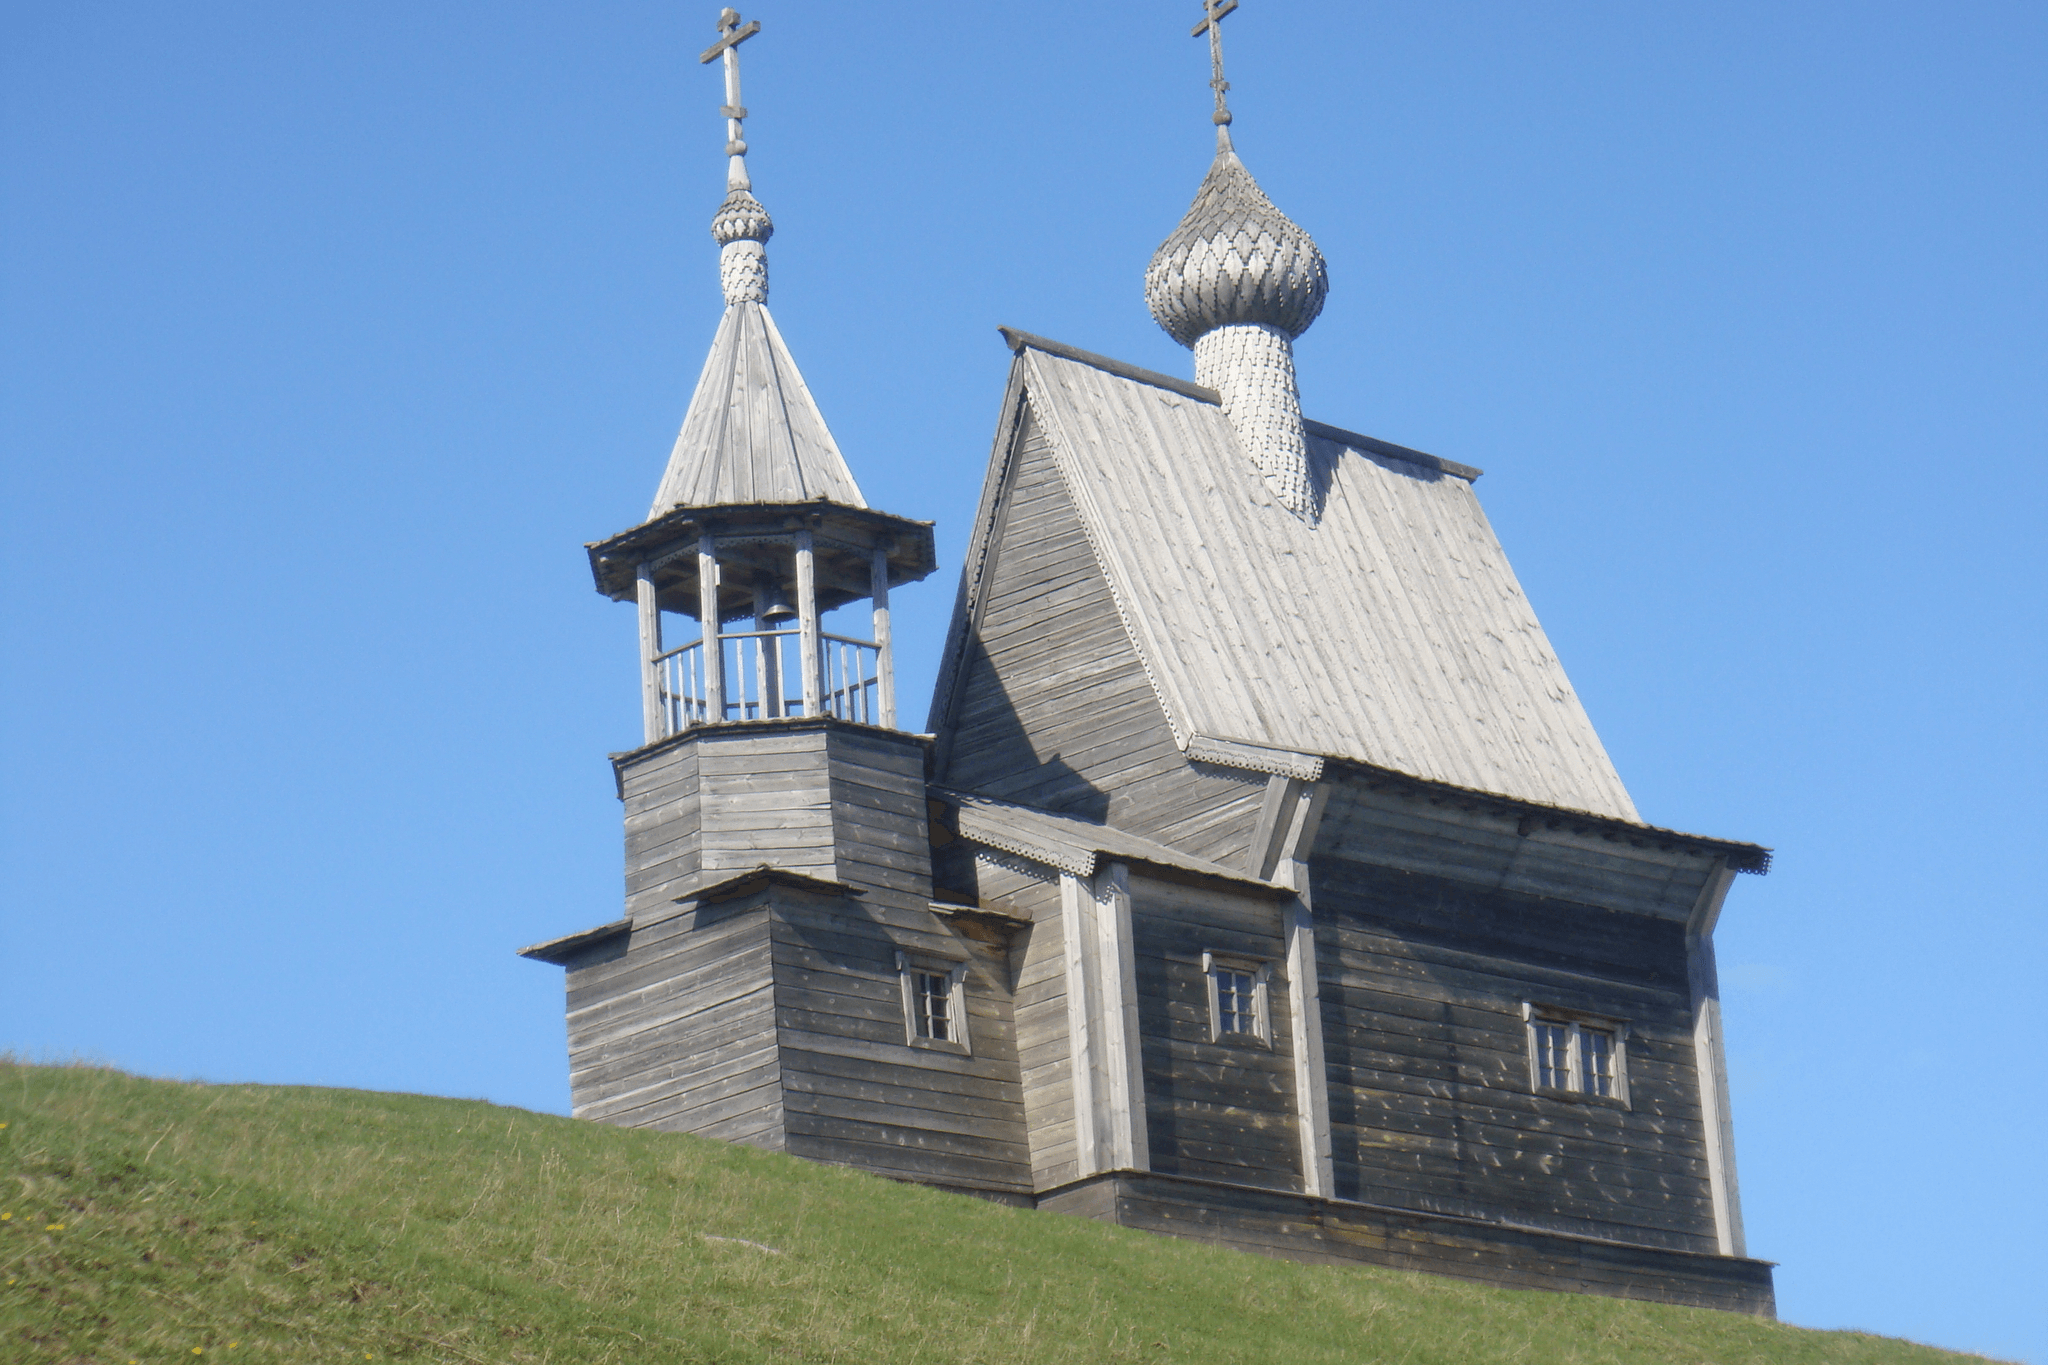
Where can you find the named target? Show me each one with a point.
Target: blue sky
(332, 332)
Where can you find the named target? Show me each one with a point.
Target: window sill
(941, 1045)
(1242, 1040)
(1581, 1097)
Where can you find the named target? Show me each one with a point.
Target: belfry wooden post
(652, 721)
(885, 664)
(807, 618)
(714, 645)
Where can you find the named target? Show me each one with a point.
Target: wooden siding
(1222, 1110)
(1425, 1047)
(1392, 632)
(1336, 1232)
(1053, 708)
(673, 1027)
(766, 797)
(856, 1091)
(663, 801)
(1459, 838)
(880, 839)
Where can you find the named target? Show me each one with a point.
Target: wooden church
(1258, 877)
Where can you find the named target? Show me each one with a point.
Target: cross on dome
(741, 226)
(1236, 283)
(731, 33)
(1212, 24)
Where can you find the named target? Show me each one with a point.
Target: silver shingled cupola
(1237, 281)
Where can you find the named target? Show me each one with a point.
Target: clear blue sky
(332, 331)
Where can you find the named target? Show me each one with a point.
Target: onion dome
(741, 219)
(1235, 259)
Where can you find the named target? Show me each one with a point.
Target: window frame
(910, 966)
(1261, 1035)
(1577, 1024)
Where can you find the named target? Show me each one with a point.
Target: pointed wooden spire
(753, 433)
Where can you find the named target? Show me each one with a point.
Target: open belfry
(1259, 879)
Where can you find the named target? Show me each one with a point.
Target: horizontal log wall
(663, 804)
(881, 842)
(672, 1026)
(856, 1091)
(767, 798)
(1467, 839)
(1054, 709)
(1334, 1232)
(1431, 1104)
(1219, 1110)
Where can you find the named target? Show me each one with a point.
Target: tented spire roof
(753, 433)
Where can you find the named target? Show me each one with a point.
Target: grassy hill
(148, 1221)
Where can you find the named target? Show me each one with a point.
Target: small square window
(934, 1003)
(1577, 1056)
(1238, 1000)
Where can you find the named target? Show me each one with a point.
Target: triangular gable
(753, 433)
(1393, 633)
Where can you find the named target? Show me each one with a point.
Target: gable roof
(753, 433)
(1393, 633)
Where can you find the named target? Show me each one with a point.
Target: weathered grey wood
(707, 616)
(676, 1032)
(885, 659)
(807, 617)
(1298, 933)
(1277, 1223)
(1711, 1062)
(649, 603)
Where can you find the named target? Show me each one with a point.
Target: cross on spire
(1212, 24)
(731, 33)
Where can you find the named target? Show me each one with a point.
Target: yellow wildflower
(6, 1217)
(53, 1227)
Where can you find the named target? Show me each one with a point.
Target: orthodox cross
(730, 35)
(1212, 24)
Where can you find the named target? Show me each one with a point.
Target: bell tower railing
(782, 668)
(756, 662)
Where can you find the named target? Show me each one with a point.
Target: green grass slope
(149, 1221)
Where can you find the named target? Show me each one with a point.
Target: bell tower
(758, 528)
(778, 867)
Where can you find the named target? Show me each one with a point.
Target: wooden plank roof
(1393, 633)
(1071, 844)
(753, 433)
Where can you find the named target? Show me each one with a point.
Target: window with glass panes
(1577, 1056)
(934, 1003)
(1237, 1000)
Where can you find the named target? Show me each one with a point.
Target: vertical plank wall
(1217, 1110)
(1054, 709)
(677, 1031)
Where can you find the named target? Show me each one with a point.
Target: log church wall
(672, 1025)
(1425, 1044)
(1220, 1110)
